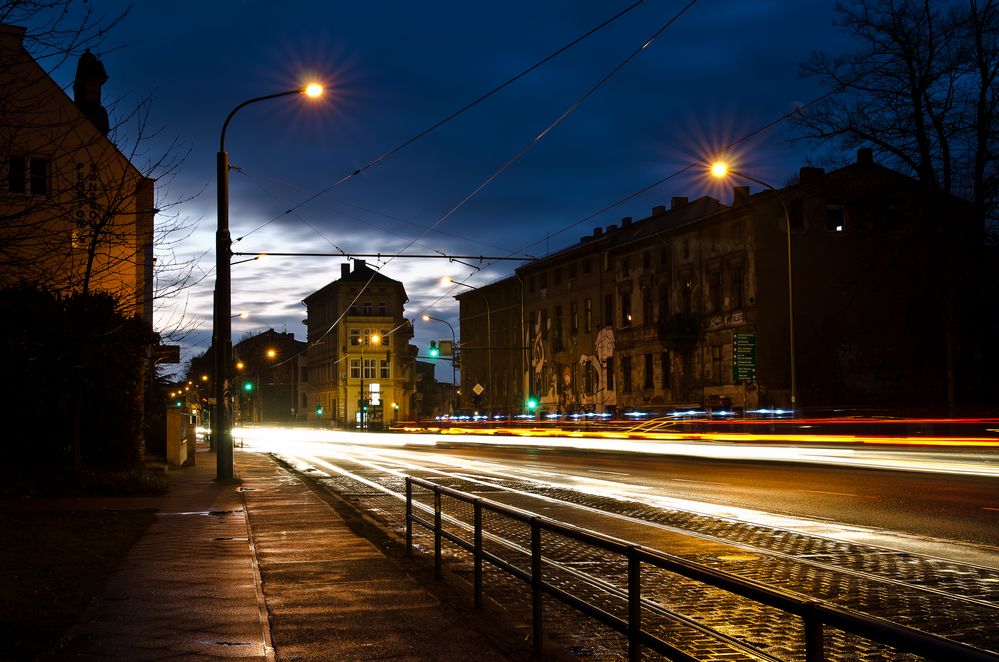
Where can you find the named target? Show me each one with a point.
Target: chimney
(359, 264)
(659, 210)
(865, 156)
(611, 228)
(626, 221)
(90, 76)
(344, 269)
(597, 232)
(807, 172)
(740, 195)
(678, 201)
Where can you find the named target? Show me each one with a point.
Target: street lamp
(222, 327)
(720, 169)
(447, 280)
(454, 348)
(375, 339)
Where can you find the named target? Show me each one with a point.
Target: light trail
(942, 461)
(399, 462)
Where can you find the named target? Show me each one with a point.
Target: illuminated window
(834, 219)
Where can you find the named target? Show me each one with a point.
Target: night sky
(721, 71)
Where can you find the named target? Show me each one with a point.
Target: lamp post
(719, 169)
(374, 340)
(454, 348)
(489, 338)
(222, 326)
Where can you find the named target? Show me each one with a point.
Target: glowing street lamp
(447, 280)
(720, 169)
(222, 327)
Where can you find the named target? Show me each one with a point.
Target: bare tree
(921, 90)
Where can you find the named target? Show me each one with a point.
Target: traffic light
(319, 410)
(179, 403)
(434, 350)
(532, 403)
(247, 386)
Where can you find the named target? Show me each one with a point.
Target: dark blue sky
(392, 69)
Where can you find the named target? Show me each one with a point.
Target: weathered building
(359, 353)
(76, 214)
(266, 378)
(691, 305)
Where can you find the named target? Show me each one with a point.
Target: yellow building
(76, 214)
(359, 368)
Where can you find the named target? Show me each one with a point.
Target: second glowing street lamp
(489, 338)
(719, 169)
(454, 372)
(222, 317)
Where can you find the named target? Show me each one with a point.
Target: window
(626, 309)
(716, 361)
(625, 269)
(381, 309)
(608, 310)
(28, 175)
(664, 374)
(686, 248)
(557, 276)
(355, 337)
(572, 270)
(366, 308)
(664, 301)
(610, 373)
(738, 287)
(686, 293)
(647, 315)
(626, 374)
(648, 372)
(834, 218)
(573, 318)
(647, 260)
(715, 290)
(370, 366)
(586, 267)
(588, 315)
(557, 339)
(384, 369)
(355, 368)
(543, 277)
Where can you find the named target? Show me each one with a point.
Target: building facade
(691, 306)
(359, 369)
(76, 214)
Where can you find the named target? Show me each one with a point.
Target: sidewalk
(191, 587)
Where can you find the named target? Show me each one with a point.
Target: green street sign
(743, 357)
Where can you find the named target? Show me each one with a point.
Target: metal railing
(815, 614)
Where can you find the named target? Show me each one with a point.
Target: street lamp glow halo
(719, 169)
(313, 90)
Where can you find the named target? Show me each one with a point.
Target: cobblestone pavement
(955, 600)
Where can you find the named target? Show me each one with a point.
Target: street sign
(478, 389)
(743, 357)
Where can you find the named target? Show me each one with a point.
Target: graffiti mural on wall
(566, 385)
(600, 395)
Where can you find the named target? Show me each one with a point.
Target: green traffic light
(248, 386)
(532, 403)
(179, 403)
(434, 351)
(319, 411)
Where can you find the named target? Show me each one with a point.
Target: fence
(816, 615)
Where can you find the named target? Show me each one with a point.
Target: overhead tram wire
(752, 134)
(572, 108)
(450, 117)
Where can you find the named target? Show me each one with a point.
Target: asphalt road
(929, 495)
